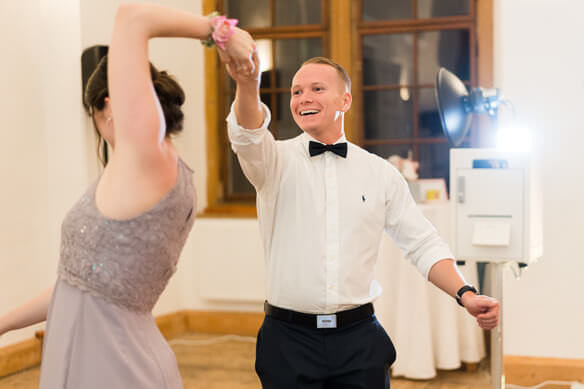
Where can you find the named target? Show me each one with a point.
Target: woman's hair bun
(169, 92)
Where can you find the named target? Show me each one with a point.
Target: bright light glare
(264, 47)
(513, 139)
(453, 120)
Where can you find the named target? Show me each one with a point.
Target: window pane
(264, 48)
(297, 12)
(434, 161)
(387, 114)
(237, 183)
(440, 8)
(388, 59)
(386, 10)
(266, 98)
(287, 127)
(428, 118)
(449, 49)
(290, 54)
(251, 13)
(386, 151)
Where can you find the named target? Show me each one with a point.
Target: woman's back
(127, 262)
(100, 330)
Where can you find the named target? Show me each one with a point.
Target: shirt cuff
(243, 136)
(431, 257)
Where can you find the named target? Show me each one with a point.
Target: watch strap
(463, 290)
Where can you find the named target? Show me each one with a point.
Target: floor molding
(530, 371)
(209, 322)
(217, 322)
(20, 356)
(172, 324)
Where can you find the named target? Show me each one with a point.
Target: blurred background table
(428, 328)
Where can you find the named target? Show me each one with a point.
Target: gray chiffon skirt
(90, 343)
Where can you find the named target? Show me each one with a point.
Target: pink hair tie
(223, 29)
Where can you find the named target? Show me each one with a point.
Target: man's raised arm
(247, 125)
(247, 107)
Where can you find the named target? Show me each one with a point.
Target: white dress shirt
(321, 219)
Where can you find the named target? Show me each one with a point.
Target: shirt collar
(308, 138)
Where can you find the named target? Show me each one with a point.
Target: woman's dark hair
(169, 93)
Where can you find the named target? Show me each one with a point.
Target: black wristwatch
(463, 290)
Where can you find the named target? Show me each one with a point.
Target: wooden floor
(209, 362)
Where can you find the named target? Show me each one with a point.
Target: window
(287, 33)
(402, 44)
(390, 48)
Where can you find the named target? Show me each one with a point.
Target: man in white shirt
(323, 204)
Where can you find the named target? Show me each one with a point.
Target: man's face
(318, 97)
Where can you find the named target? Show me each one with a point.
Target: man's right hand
(247, 107)
(246, 76)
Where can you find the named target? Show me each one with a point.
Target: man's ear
(347, 100)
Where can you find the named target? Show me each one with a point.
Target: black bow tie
(316, 148)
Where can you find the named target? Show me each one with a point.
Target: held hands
(484, 308)
(240, 56)
(236, 49)
(244, 74)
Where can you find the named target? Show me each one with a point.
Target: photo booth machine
(495, 197)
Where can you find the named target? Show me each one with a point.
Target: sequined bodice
(127, 262)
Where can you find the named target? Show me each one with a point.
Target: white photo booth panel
(494, 206)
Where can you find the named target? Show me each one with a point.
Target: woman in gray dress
(122, 239)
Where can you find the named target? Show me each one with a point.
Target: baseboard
(217, 322)
(172, 324)
(20, 356)
(209, 322)
(530, 371)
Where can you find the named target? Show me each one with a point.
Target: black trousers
(293, 356)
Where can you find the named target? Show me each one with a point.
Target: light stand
(497, 370)
(456, 107)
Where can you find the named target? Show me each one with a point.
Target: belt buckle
(326, 321)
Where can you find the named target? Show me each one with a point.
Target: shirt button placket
(332, 231)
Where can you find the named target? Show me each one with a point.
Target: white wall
(43, 165)
(24, 194)
(47, 161)
(540, 67)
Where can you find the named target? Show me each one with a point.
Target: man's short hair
(340, 70)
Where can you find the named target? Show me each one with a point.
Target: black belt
(334, 320)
